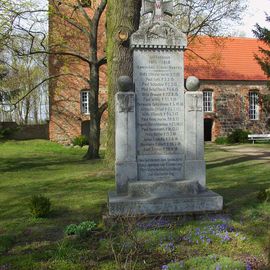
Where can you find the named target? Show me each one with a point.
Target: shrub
(238, 136)
(5, 133)
(82, 230)
(264, 195)
(40, 206)
(80, 141)
(71, 229)
(221, 140)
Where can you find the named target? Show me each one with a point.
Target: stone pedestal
(125, 143)
(194, 139)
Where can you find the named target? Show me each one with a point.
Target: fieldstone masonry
(160, 166)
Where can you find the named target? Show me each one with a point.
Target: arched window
(208, 105)
(254, 108)
(85, 102)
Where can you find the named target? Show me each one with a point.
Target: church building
(232, 82)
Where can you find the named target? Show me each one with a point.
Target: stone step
(160, 189)
(206, 201)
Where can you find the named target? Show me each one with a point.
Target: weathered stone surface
(160, 166)
(207, 201)
(125, 127)
(159, 35)
(159, 105)
(125, 84)
(165, 188)
(125, 173)
(158, 8)
(126, 164)
(192, 83)
(194, 139)
(195, 170)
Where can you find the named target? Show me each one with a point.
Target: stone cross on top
(158, 8)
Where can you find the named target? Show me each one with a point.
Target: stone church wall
(231, 106)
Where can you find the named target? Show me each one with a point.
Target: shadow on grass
(25, 164)
(234, 161)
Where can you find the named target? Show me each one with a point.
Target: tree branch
(102, 109)
(102, 61)
(14, 104)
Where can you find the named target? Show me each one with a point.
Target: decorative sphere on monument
(192, 83)
(125, 84)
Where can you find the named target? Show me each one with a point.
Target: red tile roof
(224, 59)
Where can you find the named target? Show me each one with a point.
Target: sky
(255, 13)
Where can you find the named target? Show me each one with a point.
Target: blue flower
(165, 267)
(248, 266)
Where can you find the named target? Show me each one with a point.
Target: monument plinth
(160, 167)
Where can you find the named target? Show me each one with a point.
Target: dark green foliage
(6, 132)
(82, 230)
(6, 241)
(263, 34)
(264, 195)
(40, 206)
(221, 140)
(71, 229)
(80, 140)
(238, 136)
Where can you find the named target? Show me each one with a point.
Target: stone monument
(160, 167)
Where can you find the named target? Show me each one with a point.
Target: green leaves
(263, 34)
(82, 230)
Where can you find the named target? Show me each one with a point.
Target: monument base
(166, 198)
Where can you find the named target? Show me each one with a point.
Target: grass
(236, 239)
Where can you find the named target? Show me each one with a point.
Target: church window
(253, 105)
(85, 102)
(208, 101)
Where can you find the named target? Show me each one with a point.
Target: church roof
(224, 59)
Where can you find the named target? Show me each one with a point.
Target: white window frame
(208, 101)
(254, 106)
(85, 102)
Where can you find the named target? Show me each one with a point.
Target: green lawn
(78, 192)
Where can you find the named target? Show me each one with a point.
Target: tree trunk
(122, 16)
(27, 110)
(94, 131)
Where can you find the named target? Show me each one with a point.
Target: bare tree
(79, 21)
(20, 104)
(203, 17)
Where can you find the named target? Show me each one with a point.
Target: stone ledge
(146, 189)
(207, 201)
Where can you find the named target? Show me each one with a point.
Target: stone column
(125, 135)
(194, 137)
